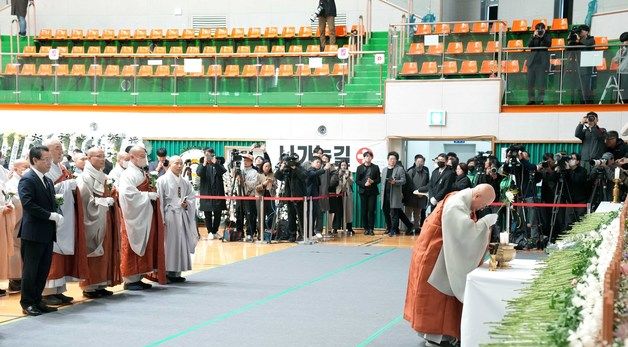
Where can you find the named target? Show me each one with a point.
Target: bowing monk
(178, 207)
(141, 225)
(452, 243)
(69, 260)
(100, 235)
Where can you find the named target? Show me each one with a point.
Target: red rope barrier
(265, 198)
(539, 204)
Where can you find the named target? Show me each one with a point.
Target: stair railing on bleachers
(369, 13)
(14, 35)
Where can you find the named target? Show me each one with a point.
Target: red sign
(359, 154)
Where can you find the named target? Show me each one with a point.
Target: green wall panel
(176, 147)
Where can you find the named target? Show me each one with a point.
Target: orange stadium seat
(492, 47)
(77, 34)
(436, 49)
(449, 68)
(340, 69)
(188, 34)
(140, 34)
(108, 34)
(288, 32)
(601, 41)
(128, 71)
(62, 70)
(77, 70)
(78, 50)
(278, 49)
(172, 34)
(205, 33)
(267, 70)
(313, 48)
(111, 50)
(469, 67)
(124, 34)
(254, 33)
(499, 26)
(243, 50)
(162, 71)
(474, 47)
(214, 70)
(515, 46)
(112, 71)
(454, 48)
(303, 70)
(226, 50)
(11, 69)
(296, 49)
(519, 25)
(479, 28)
(559, 24)
(156, 34)
(429, 68)
(305, 31)
(232, 71)
(61, 34)
(45, 34)
(537, 21)
(286, 70)
(441, 29)
(321, 71)
(145, 71)
(192, 50)
(210, 50)
(261, 49)
(249, 71)
(488, 67)
(44, 70)
(28, 70)
(93, 50)
(95, 70)
(222, 33)
(237, 33)
(176, 50)
(423, 29)
(270, 32)
(461, 28)
(558, 44)
(416, 48)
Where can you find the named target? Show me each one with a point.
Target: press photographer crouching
(293, 176)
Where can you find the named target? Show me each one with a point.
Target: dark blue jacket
(313, 181)
(37, 202)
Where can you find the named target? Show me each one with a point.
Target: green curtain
(537, 150)
(176, 147)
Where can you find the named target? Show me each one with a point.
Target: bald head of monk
(96, 157)
(123, 158)
(56, 149)
(137, 156)
(176, 165)
(483, 195)
(20, 165)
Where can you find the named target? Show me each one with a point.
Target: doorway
(491, 12)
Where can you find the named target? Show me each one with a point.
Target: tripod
(558, 197)
(232, 207)
(600, 192)
(275, 224)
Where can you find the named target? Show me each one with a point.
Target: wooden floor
(214, 253)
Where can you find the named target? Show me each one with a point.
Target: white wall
(134, 14)
(526, 9)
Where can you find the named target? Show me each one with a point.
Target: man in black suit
(368, 176)
(441, 181)
(38, 230)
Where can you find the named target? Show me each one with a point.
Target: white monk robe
(115, 174)
(66, 231)
(98, 229)
(465, 243)
(181, 232)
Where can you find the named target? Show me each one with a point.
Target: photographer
(260, 160)
(538, 64)
(578, 188)
(621, 59)
(416, 204)
(547, 174)
(161, 164)
(267, 188)
(368, 178)
(326, 13)
(293, 176)
(578, 41)
(323, 189)
(592, 137)
(210, 171)
(248, 179)
(615, 145)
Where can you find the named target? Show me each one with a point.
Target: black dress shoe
(51, 300)
(92, 295)
(46, 309)
(32, 311)
(350, 233)
(134, 286)
(145, 285)
(3, 292)
(104, 292)
(176, 279)
(65, 299)
(15, 286)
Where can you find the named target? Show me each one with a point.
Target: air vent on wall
(213, 22)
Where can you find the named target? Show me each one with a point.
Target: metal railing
(137, 79)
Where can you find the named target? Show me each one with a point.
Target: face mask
(440, 164)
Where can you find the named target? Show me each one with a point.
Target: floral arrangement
(59, 200)
(621, 302)
(562, 306)
(153, 175)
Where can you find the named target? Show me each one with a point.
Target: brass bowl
(505, 253)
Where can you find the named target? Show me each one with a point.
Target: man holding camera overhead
(592, 137)
(538, 64)
(161, 164)
(326, 13)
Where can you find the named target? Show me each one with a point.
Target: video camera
(562, 162)
(480, 160)
(574, 35)
(512, 156)
(291, 160)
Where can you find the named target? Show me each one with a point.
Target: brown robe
(7, 225)
(15, 260)
(153, 263)
(106, 268)
(428, 310)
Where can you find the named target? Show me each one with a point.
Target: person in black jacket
(462, 181)
(293, 176)
(615, 145)
(416, 204)
(38, 230)
(327, 18)
(592, 137)
(368, 177)
(441, 181)
(578, 189)
(538, 64)
(580, 77)
(312, 188)
(210, 171)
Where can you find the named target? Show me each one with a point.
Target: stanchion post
(304, 226)
(311, 222)
(262, 220)
(344, 214)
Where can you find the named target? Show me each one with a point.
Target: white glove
(433, 201)
(489, 219)
(57, 218)
(152, 196)
(71, 184)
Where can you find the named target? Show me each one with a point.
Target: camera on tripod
(562, 162)
(602, 161)
(316, 13)
(481, 159)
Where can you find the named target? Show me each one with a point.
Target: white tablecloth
(485, 297)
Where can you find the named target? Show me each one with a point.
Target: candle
(617, 171)
(504, 237)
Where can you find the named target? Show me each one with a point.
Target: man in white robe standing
(141, 226)
(67, 264)
(99, 233)
(178, 208)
